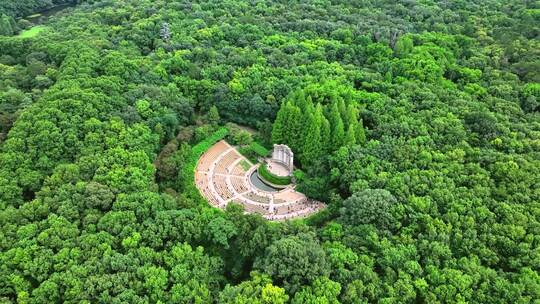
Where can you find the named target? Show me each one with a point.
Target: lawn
(32, 32)
(245, 165)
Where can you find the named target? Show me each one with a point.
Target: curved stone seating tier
(240, 185)
(290, 208)
(227, 160)
(295, 211)
(221, 179)
(252, 208)
(206, 159)
(257, 198)
(222, 188)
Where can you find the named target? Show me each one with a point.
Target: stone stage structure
(282, 155)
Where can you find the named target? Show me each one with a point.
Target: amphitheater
(223, 176)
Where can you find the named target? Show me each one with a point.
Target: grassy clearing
(245, 165)
(259, 149)
(32, 32)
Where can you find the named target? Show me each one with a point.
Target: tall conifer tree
(350, 139)
(295, 129)
(325, 135)
(338, 131)
(312, 141)
(343, 111)
(352, 115)
(278, 129)
(360, 133)
(324, 127)
(338, 136)
(300, 99)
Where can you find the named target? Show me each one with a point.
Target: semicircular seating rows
(222, 178)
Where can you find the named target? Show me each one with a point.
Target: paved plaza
(277, 168)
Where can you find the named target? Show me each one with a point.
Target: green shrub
(272, 178)
(188, 171)
(259, 149)
(242, 138)
(253, 151)
(248, 153)
(203, 132)
(238, 136)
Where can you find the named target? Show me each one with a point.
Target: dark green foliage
(8, 27)
(315, 184)
(272, 178)
(19, 8)
(212, 116)
(313, 131)
(415, 121)
(294, 261)
(254, 151)
(169, 164)
(311, 149)
(371, 206)
(242, 138)
(483, 125)
(249, 154)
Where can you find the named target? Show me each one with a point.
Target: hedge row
(253, 151)
(272, 178)
(259, 149)
(196, 152)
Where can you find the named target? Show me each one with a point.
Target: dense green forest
(417, 122)
(21, 8)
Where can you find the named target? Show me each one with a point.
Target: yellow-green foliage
(32, 32)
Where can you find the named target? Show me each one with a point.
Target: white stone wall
(284, 155)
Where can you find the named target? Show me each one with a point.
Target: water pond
(43, 15)
(260, 184)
